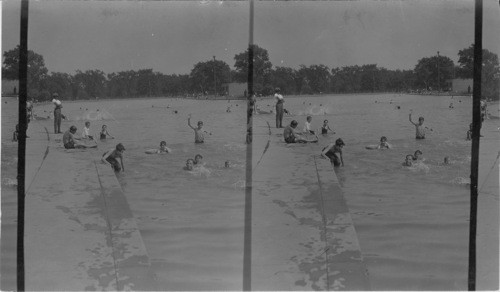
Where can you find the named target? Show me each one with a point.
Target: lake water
(411, 222)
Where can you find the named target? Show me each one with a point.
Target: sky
(172, 36)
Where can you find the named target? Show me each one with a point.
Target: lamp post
(439, 87)
(215, 83)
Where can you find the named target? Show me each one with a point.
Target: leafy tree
(92, 82)
(60, 83)
(210, 75)
(426, 72)
(37, 71)
(490, 71)
(369, 78)
(262, 68)
(175, 85)
(146, 82)
(284, 78)
(316, 78)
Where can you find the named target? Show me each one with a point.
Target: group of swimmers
(111, 157)
(333, 151)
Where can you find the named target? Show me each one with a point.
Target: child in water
(325, 128)
(417, 154)
(383, 143)
(163, 149)
(104, 133)
(419, 128)
(334, 152)
(198, 160)
(189, 164)
(307, 126)
(86, 131)
(111, 157)
(198, 132)
(408, 160)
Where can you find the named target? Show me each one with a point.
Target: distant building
(461, 86)
(10, 87)
(237, 90)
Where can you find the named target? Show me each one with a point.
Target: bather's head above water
(189, 164)
(408, 160)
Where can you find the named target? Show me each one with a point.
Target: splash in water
(97, 115)
(316, 111)
(419, 166)
(201, 171)
(9, 182)
(460, 181)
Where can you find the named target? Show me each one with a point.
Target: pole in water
(476, 128)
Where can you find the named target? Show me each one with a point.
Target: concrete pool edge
(79, 231)
(311, 242)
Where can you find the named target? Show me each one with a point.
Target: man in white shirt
(279, 107)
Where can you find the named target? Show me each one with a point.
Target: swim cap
(339, 142)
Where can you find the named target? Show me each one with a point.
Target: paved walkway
(487, 272)
(311, 242)
(79, 233)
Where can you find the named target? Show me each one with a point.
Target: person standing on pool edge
(419, 128)
(57, 113)
(279, 107)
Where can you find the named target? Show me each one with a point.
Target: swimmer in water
(162, 150)
(383, 143)
(104, 133)
(417, 154)
(198, 132)
(446, 160)
(189, 164)
(325, 128)
(227, 164)
(198, 160)
(419, 128)
(408, 160)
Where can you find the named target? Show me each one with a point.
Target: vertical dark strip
(476, 122)
(247, 245)
(21, 152)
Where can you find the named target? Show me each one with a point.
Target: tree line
(209, 77)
